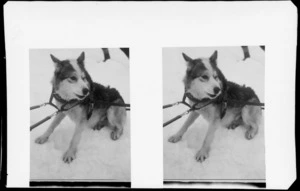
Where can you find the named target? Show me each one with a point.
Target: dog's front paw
(232, 126)
(97, 127)
(116, 134)
(250, 133)
(175, 138)
(69, 155)
(202, 154)
(41, 139)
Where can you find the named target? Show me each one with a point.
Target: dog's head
(71, 80)
(203, 79)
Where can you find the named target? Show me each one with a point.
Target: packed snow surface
(98, 156)
(232, 156)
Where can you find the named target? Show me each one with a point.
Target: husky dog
(72, 83)
(204, 81)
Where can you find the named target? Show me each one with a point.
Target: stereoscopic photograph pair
(213, 114)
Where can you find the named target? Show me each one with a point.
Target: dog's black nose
(216, 90)
(85, 91)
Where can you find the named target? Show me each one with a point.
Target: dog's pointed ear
(214, 56)
(80, 59)
(189, 61)
(187, 58)
(54, 59)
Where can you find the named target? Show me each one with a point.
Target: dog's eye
(73, 78)
(204, 77)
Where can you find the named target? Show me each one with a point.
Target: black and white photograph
(80, 119)
(214, 114)
(160, 94)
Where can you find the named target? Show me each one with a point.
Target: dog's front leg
(202, 154)
(43, 138)
(177, 137)
(70, 154)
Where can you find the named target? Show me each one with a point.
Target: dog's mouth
(81, 97)
(212, 96)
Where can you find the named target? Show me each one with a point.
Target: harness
(199, 104)
(65, 102)
(69, 104)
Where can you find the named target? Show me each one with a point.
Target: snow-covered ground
(98, 157)
(232, 157)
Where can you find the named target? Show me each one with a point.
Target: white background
(146, 28)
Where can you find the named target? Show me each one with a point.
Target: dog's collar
(90, 107)
(221, 97)
(60, 99)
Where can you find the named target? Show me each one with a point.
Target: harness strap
(171, 105)
(51, 96)
(119, 104)
(192, 108)
(90, 110)
(246, 102)
(65, 103)
(223, 109)
(38, 106)
(43, 120)
(224, 104)
(58, 98)
(177, 117)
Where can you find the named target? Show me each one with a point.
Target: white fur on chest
(211, 114)
(208, 113)
(75, 113)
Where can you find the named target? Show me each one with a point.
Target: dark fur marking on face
(89, 79)
(221, 78)
(80, 63)
(194, 70)
(63, 70)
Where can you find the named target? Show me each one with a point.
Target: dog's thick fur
(71, 81)
(205, 81)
